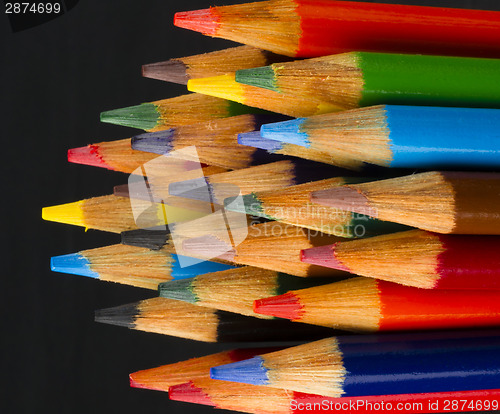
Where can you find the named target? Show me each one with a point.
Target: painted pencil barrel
(430, 137)
(429, 80)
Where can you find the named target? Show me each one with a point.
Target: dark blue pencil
(334, 367)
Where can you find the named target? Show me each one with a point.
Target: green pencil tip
(262, 77)
(144, 116)
(247, 204)
(178, 290)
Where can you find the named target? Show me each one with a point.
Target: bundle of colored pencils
(355, 190)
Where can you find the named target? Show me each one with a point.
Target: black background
(56, 79)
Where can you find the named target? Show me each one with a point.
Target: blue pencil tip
(250, 371)
(286, 131)
(184, 267)
(74, 264)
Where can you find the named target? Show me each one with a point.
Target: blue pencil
(338, 367)
(133, 265)
(256, 140)
(400, 136)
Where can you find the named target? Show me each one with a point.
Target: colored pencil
(444, 202)
(234, 290)
(365, 304)
(309, 28)
(255, 139)
(400, 136)
(194, 369)
(355, 79)
(119, 156)
(114, 214)
(132, 265)
(181, 319)
(257, 399)
(272, 176)
(417, 258)
(274, 246)
(220, 62)
(216, 141)
(162, 377)
(292, 206)
(226, 87)
(329, 367)
(180, 110)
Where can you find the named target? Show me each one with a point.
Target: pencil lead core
(74, 264)
(160, 142)
(285, 306)
(262, 77)
(189, 392)
(178, 290)
(70, 213)
(149, 238)
(203, 21)
(88, 155)
(144, 116)
(322, 256)
(169, 71)
(249, 371)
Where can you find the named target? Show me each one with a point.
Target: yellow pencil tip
(70, 213)
(223, 86)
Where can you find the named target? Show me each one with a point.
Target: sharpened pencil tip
(223, 86)
(149, 238)
(285, 306)
(289, 132)
(255, 139)
(250, 371)
(189, 392)
(322, 256)
(70, 213)
(169, 71)
(203, 21)
(178, 290)
(74, 264)
(134, 383)
(194, 189)
(160, 142)
(262, 77)
(123, 315)
(88, 155)
(144, 116)
(344, 198)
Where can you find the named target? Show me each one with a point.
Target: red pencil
(364, 304)
(312, 28)
(265, 400)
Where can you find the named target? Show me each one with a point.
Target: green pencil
(357, 79)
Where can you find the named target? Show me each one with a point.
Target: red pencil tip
(322, 256)
(285, 306)
(189, 392)
(204, 21)
(88, 155)
(134, 383)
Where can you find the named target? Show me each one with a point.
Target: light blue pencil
(400, 136)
